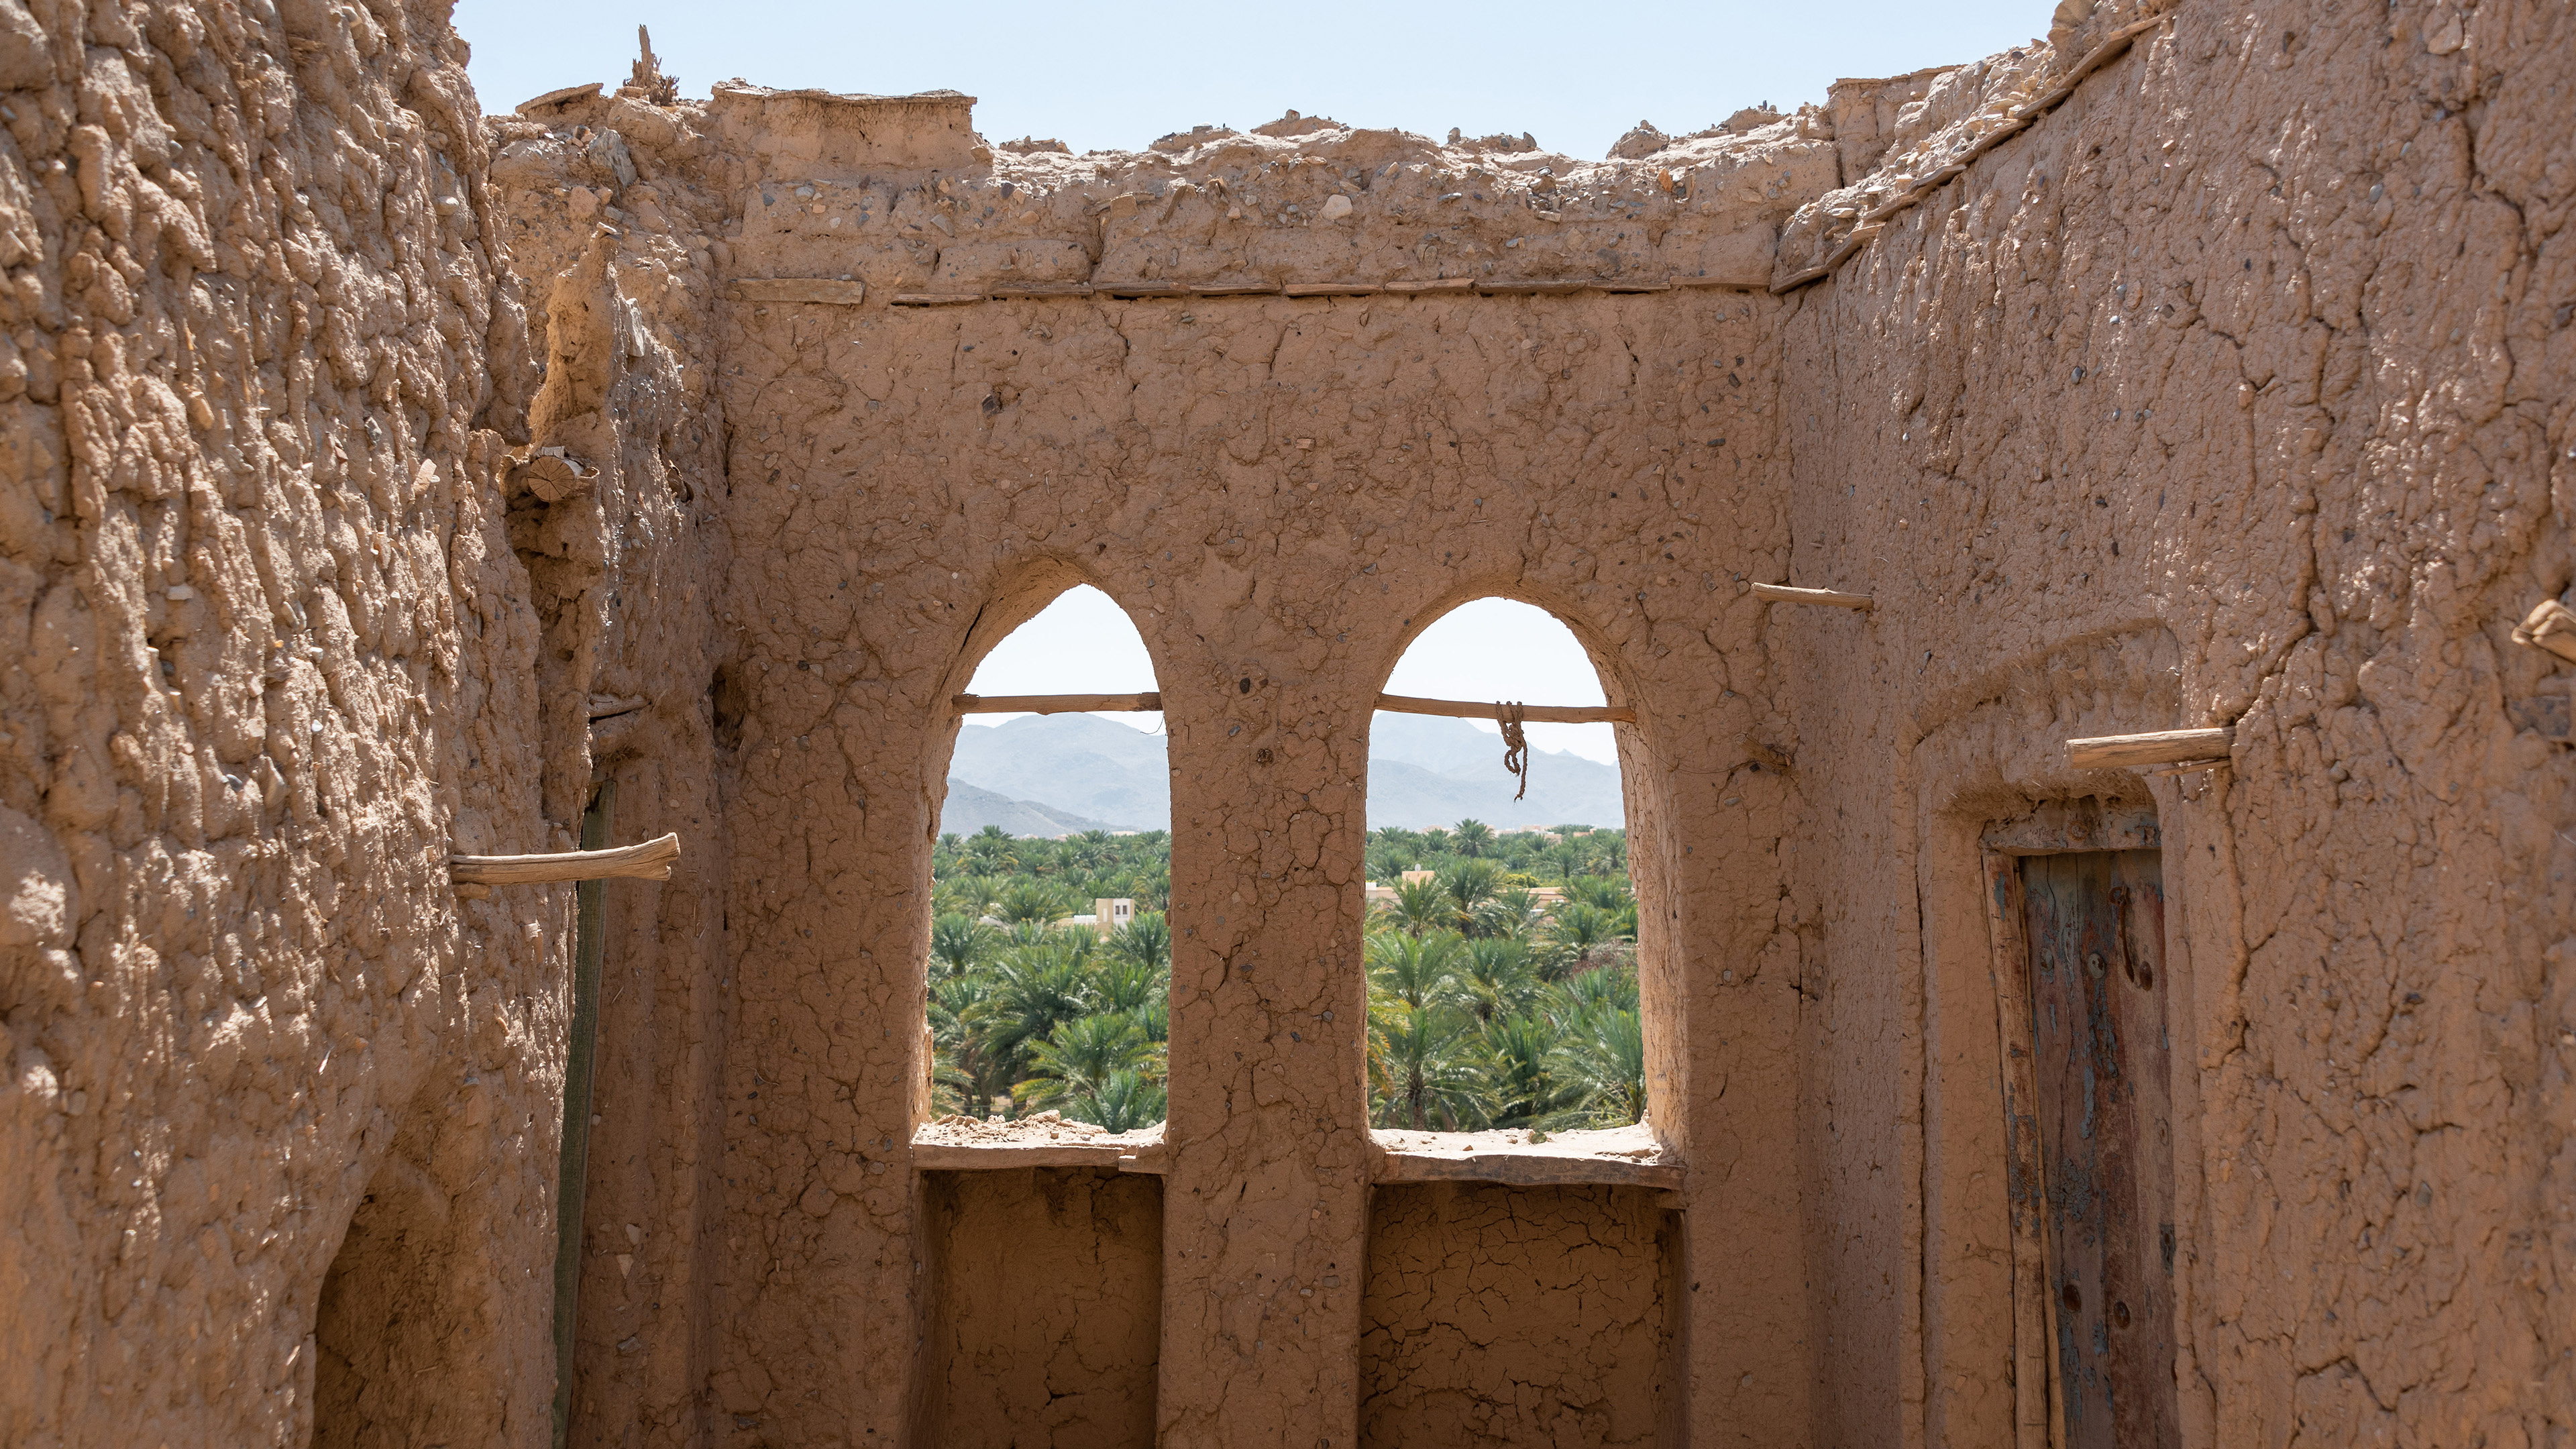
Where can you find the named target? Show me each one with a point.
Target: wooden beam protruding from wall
(651, 860)
(1783, 594)
(2165, 747)
(2550, 625)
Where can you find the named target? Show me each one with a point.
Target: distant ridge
(1098, 774)
(971, 807)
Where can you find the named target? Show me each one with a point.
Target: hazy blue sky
(1575, 76)
(1083, 643)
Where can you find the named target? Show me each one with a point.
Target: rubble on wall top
(899, 192)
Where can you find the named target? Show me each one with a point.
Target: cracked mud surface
(2235, 388)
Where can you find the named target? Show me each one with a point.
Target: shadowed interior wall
(1499, 1315)
(1047, 1309)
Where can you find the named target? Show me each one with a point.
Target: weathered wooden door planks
(2095, 924)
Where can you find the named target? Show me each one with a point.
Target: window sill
(1606, 1157)
(963, 1145)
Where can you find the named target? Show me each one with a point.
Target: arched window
(1049, 973)
(1502, 926)
(1507, 1065)
(1050, 964)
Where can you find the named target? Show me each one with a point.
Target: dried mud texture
(625, 563)
(362, 503)
(1048, 1293)
(279, 1111)
(2236, 390)
(1501, 1315)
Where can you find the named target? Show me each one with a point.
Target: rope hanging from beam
(1515, 744)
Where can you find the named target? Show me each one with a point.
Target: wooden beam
(651, 860)
(2165, 747)
(1398, 703)
(1055, 703)
(2550, 625)
(1783, 594)
(830, 291)
(1532, 713)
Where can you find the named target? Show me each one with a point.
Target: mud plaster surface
(1047, 1308)
(2233, 389)
(1501, 1315)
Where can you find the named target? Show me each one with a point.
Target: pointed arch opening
(1502, 924)
(1050, 964)
(1508, 1052)
(1048, 1015)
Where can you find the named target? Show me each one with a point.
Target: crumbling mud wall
(1047, 1305)
(1282, 490)
(381, 481)
(2236, 390)
(279, 1115)
(1517, 1315)
(619, 515)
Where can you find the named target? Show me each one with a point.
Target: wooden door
(2095, 922)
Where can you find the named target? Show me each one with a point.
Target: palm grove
(1502, 983)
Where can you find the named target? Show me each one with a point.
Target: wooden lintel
(2164, 747)
(1783, 594)
(830, 291)
(1533, 713)
(651, 860)
(1055, 703)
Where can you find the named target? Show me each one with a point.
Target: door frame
(2056, 827)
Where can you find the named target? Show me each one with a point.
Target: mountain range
(1058, 774)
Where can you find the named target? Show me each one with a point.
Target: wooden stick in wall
(651, 860)
(1397, 703)
(1530, 713)
(2166, 747)
(2550, 625)
(1054, 703)
(1783, 594)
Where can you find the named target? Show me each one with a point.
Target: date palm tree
(1146, 940)
(1416, 970)
(1387, 865)
(1035, 989)
(967, 895)
(1078, 1058)
(1577, 938)
(1494, 978)
(959, 943)
(1421, 905)
(1033, 901)
(1521, 1072)
(1472, 838)
(1603, 1057)
(1469, 884)
(1126, 1101)
(992, 850)
(1423, 1064)
(1510, 912)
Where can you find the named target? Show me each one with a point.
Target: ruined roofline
(902, 195)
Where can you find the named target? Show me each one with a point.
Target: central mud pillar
(1266, 1205)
